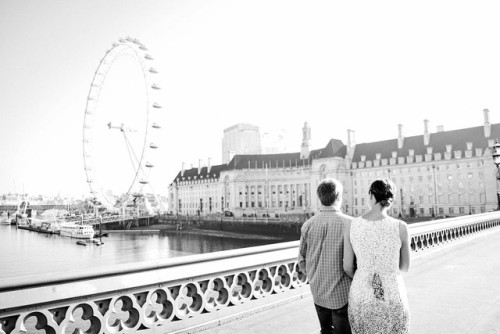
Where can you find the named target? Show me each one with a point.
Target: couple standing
(369, 251)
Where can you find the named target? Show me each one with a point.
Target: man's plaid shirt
(321, 257)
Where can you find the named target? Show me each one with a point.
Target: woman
(376, 250)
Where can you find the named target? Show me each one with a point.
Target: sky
(338, 65)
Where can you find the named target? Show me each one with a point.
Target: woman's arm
(349, 256)
(404, 253)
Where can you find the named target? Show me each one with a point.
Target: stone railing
(156, 294)
(432, 234)
(175, 294)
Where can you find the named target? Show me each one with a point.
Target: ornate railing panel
(168, 294)
(427, 235)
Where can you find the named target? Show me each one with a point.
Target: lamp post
(496, 161)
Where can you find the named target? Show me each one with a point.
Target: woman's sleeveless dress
(377, 299)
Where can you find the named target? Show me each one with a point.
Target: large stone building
(440, 173)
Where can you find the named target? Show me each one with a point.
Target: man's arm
(349, 257)
(302, 251)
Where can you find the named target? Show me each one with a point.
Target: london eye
(121, 124)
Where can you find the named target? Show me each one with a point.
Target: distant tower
(306, 137)
(240, 139)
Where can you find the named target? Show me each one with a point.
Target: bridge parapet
(168, 294)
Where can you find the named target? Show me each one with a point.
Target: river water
(25, 253)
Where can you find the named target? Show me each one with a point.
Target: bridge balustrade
(173, 294)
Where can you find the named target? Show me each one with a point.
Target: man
(321, 259)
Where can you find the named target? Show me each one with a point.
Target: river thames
(26, 253)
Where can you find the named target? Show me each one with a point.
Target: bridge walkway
(452, 290)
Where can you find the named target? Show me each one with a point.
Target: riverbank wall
(266, 227)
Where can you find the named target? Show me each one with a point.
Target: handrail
(125, 268)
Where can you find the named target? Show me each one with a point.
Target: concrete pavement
(454, 290)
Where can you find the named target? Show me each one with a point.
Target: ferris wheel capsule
(149, 164)
(156, 126)
(153, 70)
(153, 146)
(156, 105)
(142, 181)
(155, 86)
(148, 57)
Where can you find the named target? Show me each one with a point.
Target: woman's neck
(376, 213)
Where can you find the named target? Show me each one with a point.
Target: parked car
(228, 214)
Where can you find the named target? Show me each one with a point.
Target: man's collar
(329, 209)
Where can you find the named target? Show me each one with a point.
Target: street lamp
(496, 161)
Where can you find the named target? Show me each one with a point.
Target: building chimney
(427, 135)
(440, 128)
(209, 166)
(350, 139)
(306, 137)
(182, 170)
(199, 166)
(487, 124)
(400, 136)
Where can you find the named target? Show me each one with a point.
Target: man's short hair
(329, 190)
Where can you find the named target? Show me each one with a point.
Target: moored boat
(76, 230)
(81, 242)
(37, 225)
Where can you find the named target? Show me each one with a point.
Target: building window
(483, 210)
(473, 209)
(422, 211)
(253, 204)
(441, 211)
(461, 210)
(241, 204)
(451, 210)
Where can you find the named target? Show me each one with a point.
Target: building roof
(204, 174)
(458, 140)
(334, 148)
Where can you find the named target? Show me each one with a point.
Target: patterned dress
(377, 300)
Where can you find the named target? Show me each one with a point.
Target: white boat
(76, 230)
(4, 218)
